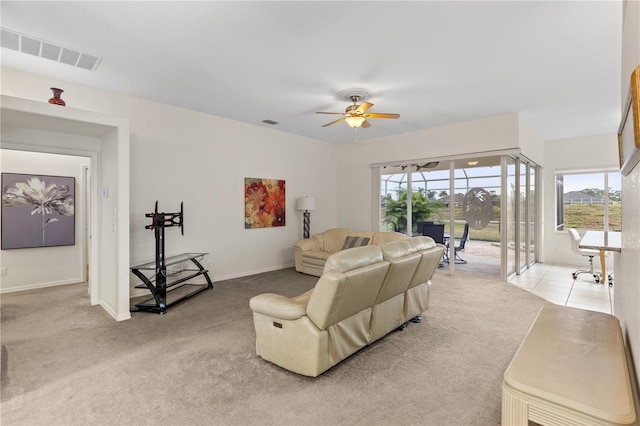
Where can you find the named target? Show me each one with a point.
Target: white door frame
(109, 276)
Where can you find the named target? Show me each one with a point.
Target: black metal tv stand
(165, 291)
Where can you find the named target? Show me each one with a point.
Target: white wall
(530, 142)
(571, 155)
(181, 155)
(46, 266)
(354, 202)
(627, 271)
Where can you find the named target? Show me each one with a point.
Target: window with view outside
(430, 199)
(583, 203)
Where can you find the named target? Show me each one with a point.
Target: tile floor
(555, 283)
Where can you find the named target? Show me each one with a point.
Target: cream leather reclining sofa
(363, 294)
(312, 253)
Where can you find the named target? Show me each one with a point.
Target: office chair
(575, 242)
(460, 247)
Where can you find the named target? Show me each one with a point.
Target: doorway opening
(57, 264)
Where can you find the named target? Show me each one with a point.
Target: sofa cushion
(317, 254)
(315, 262)
(353, 241)
(422, 242)
(345, 261)
(387, 312)
(380, 238)
(397, 249)
(333, 239)
(350, 283)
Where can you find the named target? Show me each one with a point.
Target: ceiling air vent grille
(44, 49)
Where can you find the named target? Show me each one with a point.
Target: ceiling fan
(356, 115)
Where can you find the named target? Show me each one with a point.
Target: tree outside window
(424, 207)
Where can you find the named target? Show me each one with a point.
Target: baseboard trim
(40, 285)
(252, 272)
(109, 310)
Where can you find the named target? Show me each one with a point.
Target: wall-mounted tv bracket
(161, 288)
(166, 220)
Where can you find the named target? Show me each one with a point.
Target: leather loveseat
(312, 253)
(363, 294)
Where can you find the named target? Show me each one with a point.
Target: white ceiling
(434, 62)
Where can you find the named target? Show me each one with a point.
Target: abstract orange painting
(264, 203)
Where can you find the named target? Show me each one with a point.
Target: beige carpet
(64, 362)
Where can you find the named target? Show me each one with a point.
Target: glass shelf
(171, 260)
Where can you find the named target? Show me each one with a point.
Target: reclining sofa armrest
(278, 306)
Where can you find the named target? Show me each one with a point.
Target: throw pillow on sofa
(352, 242)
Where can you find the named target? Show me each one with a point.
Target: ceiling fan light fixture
(357, 115)
(354, 121)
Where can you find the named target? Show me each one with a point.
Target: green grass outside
(583, 216)
(591, 216)
(490, 233)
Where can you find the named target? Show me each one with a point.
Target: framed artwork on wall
(629, 130)
(37, 211)
(264, 203)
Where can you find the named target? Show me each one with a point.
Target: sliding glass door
(521, 215)
(532, 219)
(487, 206)
(510, 220)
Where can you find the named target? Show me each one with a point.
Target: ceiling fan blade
(334, 122)
(381, 115)
(365, 124)
(339, 113)
(363, 107)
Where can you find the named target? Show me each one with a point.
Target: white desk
(602, 241)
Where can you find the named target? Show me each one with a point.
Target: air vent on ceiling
(273, 123)
(44, 49)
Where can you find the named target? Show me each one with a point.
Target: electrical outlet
(3, 272)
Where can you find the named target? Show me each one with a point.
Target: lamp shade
(306, 203)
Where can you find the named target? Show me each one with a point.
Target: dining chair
(436, 231)
(460, 247)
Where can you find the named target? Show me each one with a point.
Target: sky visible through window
(476, 177)
(578, 182)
